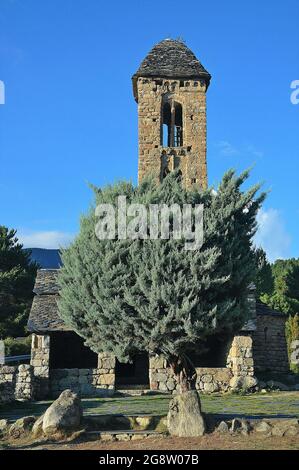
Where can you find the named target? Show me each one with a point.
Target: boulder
(3, 426)
(21, 426)
(285, 427)
(278, 430)
(63, 415)
(184, 418)
(242, 382)
(292, 431)
(245, 427)
(236, 425)
(37, 429)
(223, 428)
(263, 427)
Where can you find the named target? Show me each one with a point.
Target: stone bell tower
(170, 89)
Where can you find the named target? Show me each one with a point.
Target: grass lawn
(271, 405)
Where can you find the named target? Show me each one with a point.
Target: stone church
(170, 90)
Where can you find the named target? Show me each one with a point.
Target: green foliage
(17, 275)
(285, 294)
(125, 296)
(17, 347)
(292, 334)
(264, 281)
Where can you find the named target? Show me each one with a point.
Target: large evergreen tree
(126, 296)
(17, 275)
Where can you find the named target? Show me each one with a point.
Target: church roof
(263, 310)
(44, 314)
(46, 282)
(171, 58)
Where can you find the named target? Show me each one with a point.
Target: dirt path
(209, 442)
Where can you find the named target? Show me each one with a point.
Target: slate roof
(44, 315)
(263, 309)
(171, 58)
(46, 282)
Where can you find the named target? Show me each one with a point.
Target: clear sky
(69, 116)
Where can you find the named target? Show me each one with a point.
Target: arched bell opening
(172, 124)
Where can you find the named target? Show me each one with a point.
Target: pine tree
(127, 296)
(17, 275)
(264, 281)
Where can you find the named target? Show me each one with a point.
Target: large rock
(4, 425)
(184, 418)
(37, 428)
(284, 427)
(223, 428)
(243, 382)
(63, 415)
(263, 427)
(21, 427)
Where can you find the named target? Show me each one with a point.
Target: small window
(265, 334)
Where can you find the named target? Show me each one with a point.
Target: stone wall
(17, 383)
(191, 157)
(86, 382)
(8, 375)
(269, 344)
(208, 379)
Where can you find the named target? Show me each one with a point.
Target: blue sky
(69, 116)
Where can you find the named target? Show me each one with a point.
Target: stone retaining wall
(208, 379)
(239, 363)
(17, 383)
(7, 383)
(86, 382)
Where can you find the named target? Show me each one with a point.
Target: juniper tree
(127, 296)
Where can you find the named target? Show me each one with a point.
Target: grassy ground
(272, 405)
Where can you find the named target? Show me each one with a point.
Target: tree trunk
(185, 373)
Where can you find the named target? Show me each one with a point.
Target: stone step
(134, 422)
(135, 392)
(132, 392)
(124, 435)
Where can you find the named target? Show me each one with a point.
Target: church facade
(170, 89)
